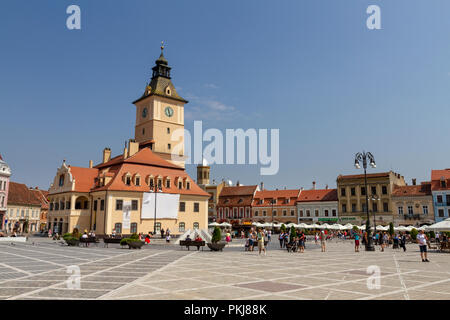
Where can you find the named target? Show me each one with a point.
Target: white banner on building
(126, 215)
(166, 205)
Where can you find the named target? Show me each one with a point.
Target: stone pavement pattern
(162, 272)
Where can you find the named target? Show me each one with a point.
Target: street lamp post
(374, 197)
(363, 157)
(156, 193)
(273, 202)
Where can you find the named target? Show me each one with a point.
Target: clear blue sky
(310, 68)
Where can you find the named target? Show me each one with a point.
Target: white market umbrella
(326, 226)
(213, 224)
(302, 225)
(348, 226)
(225, 224)
(400, 228)
(290, 225)
(362, 227)
(440, 226)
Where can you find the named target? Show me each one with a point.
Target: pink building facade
(5, 173)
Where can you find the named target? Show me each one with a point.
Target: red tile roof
(42, 196)
(318, 195)
(369, 175)
(84, 178)
(436, 176)
(279, 195)
(238, 191)
(20, 194)
(144, 156)
(423, 189)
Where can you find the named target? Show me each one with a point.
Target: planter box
(135, 244)
(216, 246)
(72, 242)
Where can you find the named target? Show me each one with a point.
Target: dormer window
(168, 183)
(188, 185)
(180, 185)
(137, 181)
(61, 180)
(128, 180)
(240, 201)
(159, 184)
(443, 183)
(261, 201)
(286, 200)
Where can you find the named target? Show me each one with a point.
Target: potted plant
(216, 244)
(72, 239)
(133, 242)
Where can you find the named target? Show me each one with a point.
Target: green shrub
(217, 235)
(67, 235)
(293, 233)
(134, 236)
(283, 228)
(124, 241)
(413, 234)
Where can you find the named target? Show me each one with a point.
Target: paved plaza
(39, 270)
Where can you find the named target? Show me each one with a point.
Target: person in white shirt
(422, 241)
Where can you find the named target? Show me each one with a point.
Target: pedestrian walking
(323, 240)
(422, 241)
(261, 242)
(281, 239)
(402, 241)
(357, 237)
(301, 242)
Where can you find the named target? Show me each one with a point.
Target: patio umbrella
(213, 224)
(440, 226)
(348, 226)
(302, 225)
(225, 224)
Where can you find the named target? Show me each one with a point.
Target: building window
(344, 208)
(68, 205)
(292, 213)
(118, 228)
(374, 207)
(256, 213)
(343, 192)
(119, 204)
(196, 207)
(158, 227)
(400, 210)
(439, 199)
(308, 213)
(102, 205)
(159, 184)
(196, 225)
(180, 185)
(353, 207)
(385, 206)
(151, 183)
(264, 213)
(363, 207)
(326, 213)
(284, 212)
(138, 181)
(61, 180)
(440, 212)
(182, 206)
(168, 130)
(374, 190)
(169, 146)
(181, 227)
(316, 213)
(133, 227)
(425, 209)
(384, 190)
(188, 185)
(447, 199)
(51, 206)
(134, 205)
(410, 210)
(168, 183)
(95, 205)
(301, 213)
(363, 191)
(274, 213)
(334, 212)
(352, 191)
(241, 212)
(128, 180)
(443, 184)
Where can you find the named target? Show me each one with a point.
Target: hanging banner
(166, 205)
(126, 219)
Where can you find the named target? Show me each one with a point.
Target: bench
(187, 244)
(445, 246)
(86, 241)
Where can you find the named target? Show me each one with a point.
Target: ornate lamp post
(156, 190)
(273, 202)
(364, 157)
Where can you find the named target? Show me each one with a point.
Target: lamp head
(357, 166)
(372, 164)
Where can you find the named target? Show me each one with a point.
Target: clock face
(168, 111)
(144, 113)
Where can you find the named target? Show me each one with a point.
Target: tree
(413, 234)
(293, 233)
(283, 228)
(391, 229)
(216, 236)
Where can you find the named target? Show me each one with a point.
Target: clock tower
(159, 113)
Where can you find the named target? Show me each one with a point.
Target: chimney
(262, 186)
(314, 185)
(91, 164)
(237, 184)
(133, 147)
(106, 155)
(326, 187)
(125, 151)
(414, 182)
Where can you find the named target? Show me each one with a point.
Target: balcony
(441, 204)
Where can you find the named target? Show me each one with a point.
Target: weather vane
(162, 46)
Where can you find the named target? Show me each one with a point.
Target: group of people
(257, 238)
